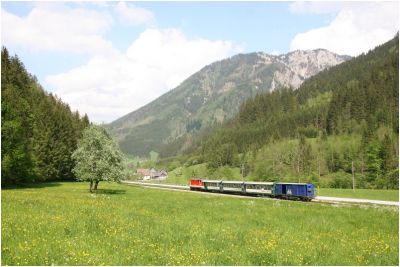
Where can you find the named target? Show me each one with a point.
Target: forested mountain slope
(38, 131)
(214, 95)
(344, 119)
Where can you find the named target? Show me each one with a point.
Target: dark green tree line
(38, 131)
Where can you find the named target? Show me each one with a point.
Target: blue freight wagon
(294, 190)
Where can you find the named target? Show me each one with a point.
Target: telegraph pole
(352, 172)
(242, 172)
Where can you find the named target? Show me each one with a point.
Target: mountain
(339, 125)
(213, 95)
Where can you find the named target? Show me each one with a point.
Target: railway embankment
(325, 199)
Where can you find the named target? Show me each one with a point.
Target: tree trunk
(91, 186)
(95, 185)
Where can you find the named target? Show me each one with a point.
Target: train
(293, 191)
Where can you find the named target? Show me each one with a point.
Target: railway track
(332, 200)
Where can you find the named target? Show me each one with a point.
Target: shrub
(341, 180)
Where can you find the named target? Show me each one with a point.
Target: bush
(380, 183)
(314, 179)
(223, 173)
(263, 172)
(341, 180)
(393, 179)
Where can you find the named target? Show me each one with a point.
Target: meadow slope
(63, 224)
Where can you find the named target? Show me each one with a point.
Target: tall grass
(63, 224)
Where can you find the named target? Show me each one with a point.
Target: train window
(212, 184)
(259, 186)
(228, 185)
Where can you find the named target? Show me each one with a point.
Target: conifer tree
(39, 131)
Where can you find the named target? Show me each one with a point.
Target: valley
(242, 133)
(338, 124)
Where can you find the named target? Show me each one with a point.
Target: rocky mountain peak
(214, 94)
(302, 64)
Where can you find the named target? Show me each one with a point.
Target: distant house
(144, 174)
(147, 174)
(161, 175)
(153, 173)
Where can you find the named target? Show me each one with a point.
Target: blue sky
(109, 58)
(256, 26)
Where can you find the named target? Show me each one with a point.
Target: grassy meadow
(63, 224)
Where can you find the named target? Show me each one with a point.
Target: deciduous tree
(97, 158)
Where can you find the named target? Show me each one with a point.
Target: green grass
(390, 195)
(63, 224)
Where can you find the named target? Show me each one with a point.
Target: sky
(107, 59)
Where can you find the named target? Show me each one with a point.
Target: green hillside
(212, 96)
(340, 121)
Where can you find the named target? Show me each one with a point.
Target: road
(317, 198)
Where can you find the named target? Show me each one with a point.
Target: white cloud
(301, 7)
(275, 53)
(108, 87)
(55, 27)
(133, 15)
(357, 28)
